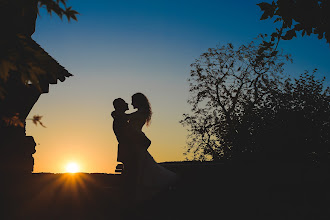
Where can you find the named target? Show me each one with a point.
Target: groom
(120, 128)
(126, 152)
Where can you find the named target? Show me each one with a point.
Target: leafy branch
(36, 119)
(17, 122)
(59, 7)
(308, 17)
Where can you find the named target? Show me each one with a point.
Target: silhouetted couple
(143, 177)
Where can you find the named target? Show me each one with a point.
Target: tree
(225, 83)
(245, 107)
(308, 17)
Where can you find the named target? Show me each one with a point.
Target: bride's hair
(143, 104)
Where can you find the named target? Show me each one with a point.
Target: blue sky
(118, 48)
(113, 32)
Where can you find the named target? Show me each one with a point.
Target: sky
(118, 48)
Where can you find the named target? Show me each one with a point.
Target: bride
(152, 177)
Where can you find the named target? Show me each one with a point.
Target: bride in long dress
(152, 177)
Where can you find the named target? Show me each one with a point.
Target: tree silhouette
(224, 83)
(245, 107)
(308, 17)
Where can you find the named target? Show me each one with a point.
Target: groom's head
(120, 105)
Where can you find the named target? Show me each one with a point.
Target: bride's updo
(143, 104)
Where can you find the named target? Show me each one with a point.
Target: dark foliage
(308, 17)
(225, 83)
(293, 125)
(59, 7)
(243, 107)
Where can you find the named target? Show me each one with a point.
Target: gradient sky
(118, 48)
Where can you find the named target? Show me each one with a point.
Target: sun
(72, 167)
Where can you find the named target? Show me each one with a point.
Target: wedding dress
(152, 177)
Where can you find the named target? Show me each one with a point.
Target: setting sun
(72, 168)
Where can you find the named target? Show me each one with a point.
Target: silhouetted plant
(59, 7)
(225, 84)
(243, 107)
(17, 122)
(304, 107)
(308, 17)
(37, 120)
